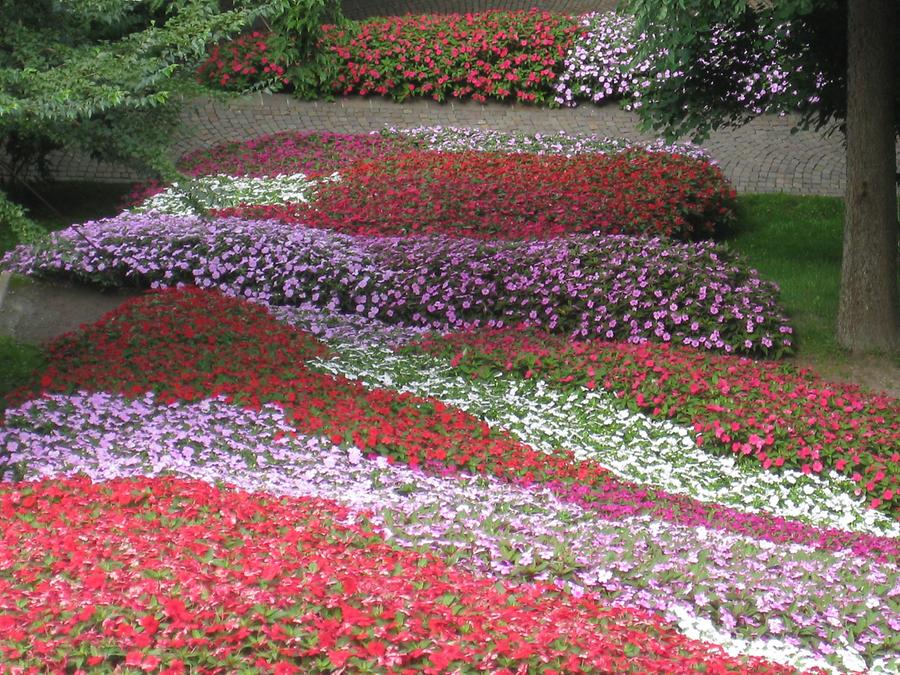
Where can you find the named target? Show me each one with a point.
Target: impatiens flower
(585, 285)
(197, 556)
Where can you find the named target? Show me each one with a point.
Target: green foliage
(104, 76)
(16, 227)
(296, 29)
(718, 47)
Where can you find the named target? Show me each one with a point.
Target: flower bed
(523, 188)
(763, 411)
(242, 64)
(499, 55)
(528, 56)
(314, 153)
(529, 514)
(485, 525)
(587, 285)
(525, 196)
(601, 64)
(232, 349)
(596, 425)
(505, 55)
(463, 139)
(179, 575)
(306, 155)
(222, 191)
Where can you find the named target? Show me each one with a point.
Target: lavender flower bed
(615, 287)
(746, 588)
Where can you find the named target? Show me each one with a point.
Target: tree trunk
(869, 316)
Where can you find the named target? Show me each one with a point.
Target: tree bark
(869, 315)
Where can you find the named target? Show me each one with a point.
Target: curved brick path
(763, 156)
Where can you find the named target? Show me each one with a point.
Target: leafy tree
(835, 63)
(296, 27)
(102, 76)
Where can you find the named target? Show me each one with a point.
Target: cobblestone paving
(763, 156)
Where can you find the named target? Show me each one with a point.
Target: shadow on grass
(796, 242)
(20, 361)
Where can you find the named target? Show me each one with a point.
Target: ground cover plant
(585, 285)
(499, 54)
(503, 55)
(521, 196)
(535, 57)
(246, 410)
(318, 153)
(480, 185)
(314, 153)
(774, 414)
(176, 556)
(620, 505)
(462, 139)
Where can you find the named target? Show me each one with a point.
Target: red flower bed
(314, 153)
(770, 412)
(177, 576)
(497, 54)
(238, 64)
(493, 195)
(191, 344)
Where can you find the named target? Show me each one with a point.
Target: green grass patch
(796, 242)
(19, 361)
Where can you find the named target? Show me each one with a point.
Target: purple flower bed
(614, 287)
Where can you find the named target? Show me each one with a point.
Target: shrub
(243, 64)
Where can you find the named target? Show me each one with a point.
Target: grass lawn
(796, 242)
(19, 361)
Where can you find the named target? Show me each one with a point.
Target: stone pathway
(762, 156)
